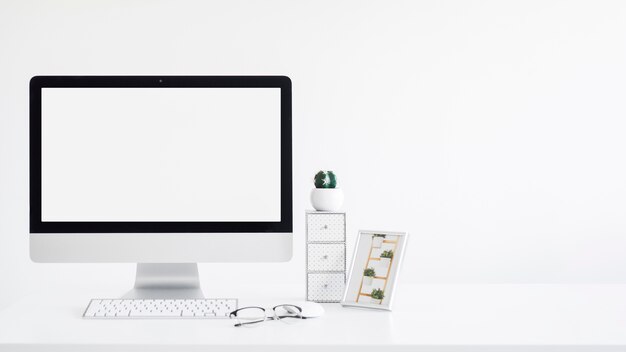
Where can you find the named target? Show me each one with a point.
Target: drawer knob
(325, 256)
(325, 227)
(325, 285)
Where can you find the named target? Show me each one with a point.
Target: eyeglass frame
(266, 318)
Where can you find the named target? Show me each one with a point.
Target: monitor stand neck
(161, 281)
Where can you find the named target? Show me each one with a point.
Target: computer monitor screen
(157, 157)
(169, 154)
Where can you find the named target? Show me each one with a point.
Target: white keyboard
(160, 308)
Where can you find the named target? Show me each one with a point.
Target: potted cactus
(377, 240)
(368, 276)
(385, 257)
(377, 296)
(326, 196)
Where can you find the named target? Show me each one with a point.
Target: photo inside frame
(375, 269)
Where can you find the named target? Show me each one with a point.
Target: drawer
(326, 287)
(326, 227)
(326, 257)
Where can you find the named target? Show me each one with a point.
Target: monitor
(164, 171)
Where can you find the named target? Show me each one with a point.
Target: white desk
(426, 318)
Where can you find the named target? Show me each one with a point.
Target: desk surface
(425, 318)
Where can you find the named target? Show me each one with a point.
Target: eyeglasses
(254, 316)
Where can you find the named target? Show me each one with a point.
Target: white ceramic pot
(367, 280)
(327, 199)
(384, 262)
(375, 301)
(377, 241)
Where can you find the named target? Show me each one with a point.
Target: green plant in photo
(387, 254)
(369, 272)
(377, 294)
(325, 179)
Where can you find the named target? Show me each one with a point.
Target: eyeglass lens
(288, 313)
(250, 316)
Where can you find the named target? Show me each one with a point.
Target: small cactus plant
(325, 179)
(387, 254)
(378, 293)
(326, 196)
(369, 272)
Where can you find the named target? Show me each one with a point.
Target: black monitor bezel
(286, 211)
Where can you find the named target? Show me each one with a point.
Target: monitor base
(166, 281)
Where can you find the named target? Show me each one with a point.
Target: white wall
(493, 131)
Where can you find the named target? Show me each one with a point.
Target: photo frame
(374, 269)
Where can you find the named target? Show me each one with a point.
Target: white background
(492, 131)
(161, 154)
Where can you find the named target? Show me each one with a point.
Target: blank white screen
(161, 154)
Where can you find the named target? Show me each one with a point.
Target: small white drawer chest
(326, 256)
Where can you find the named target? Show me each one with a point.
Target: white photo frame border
(388, 307)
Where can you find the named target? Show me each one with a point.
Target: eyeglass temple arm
(268, 318)
(250, 322)
(287, 316)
